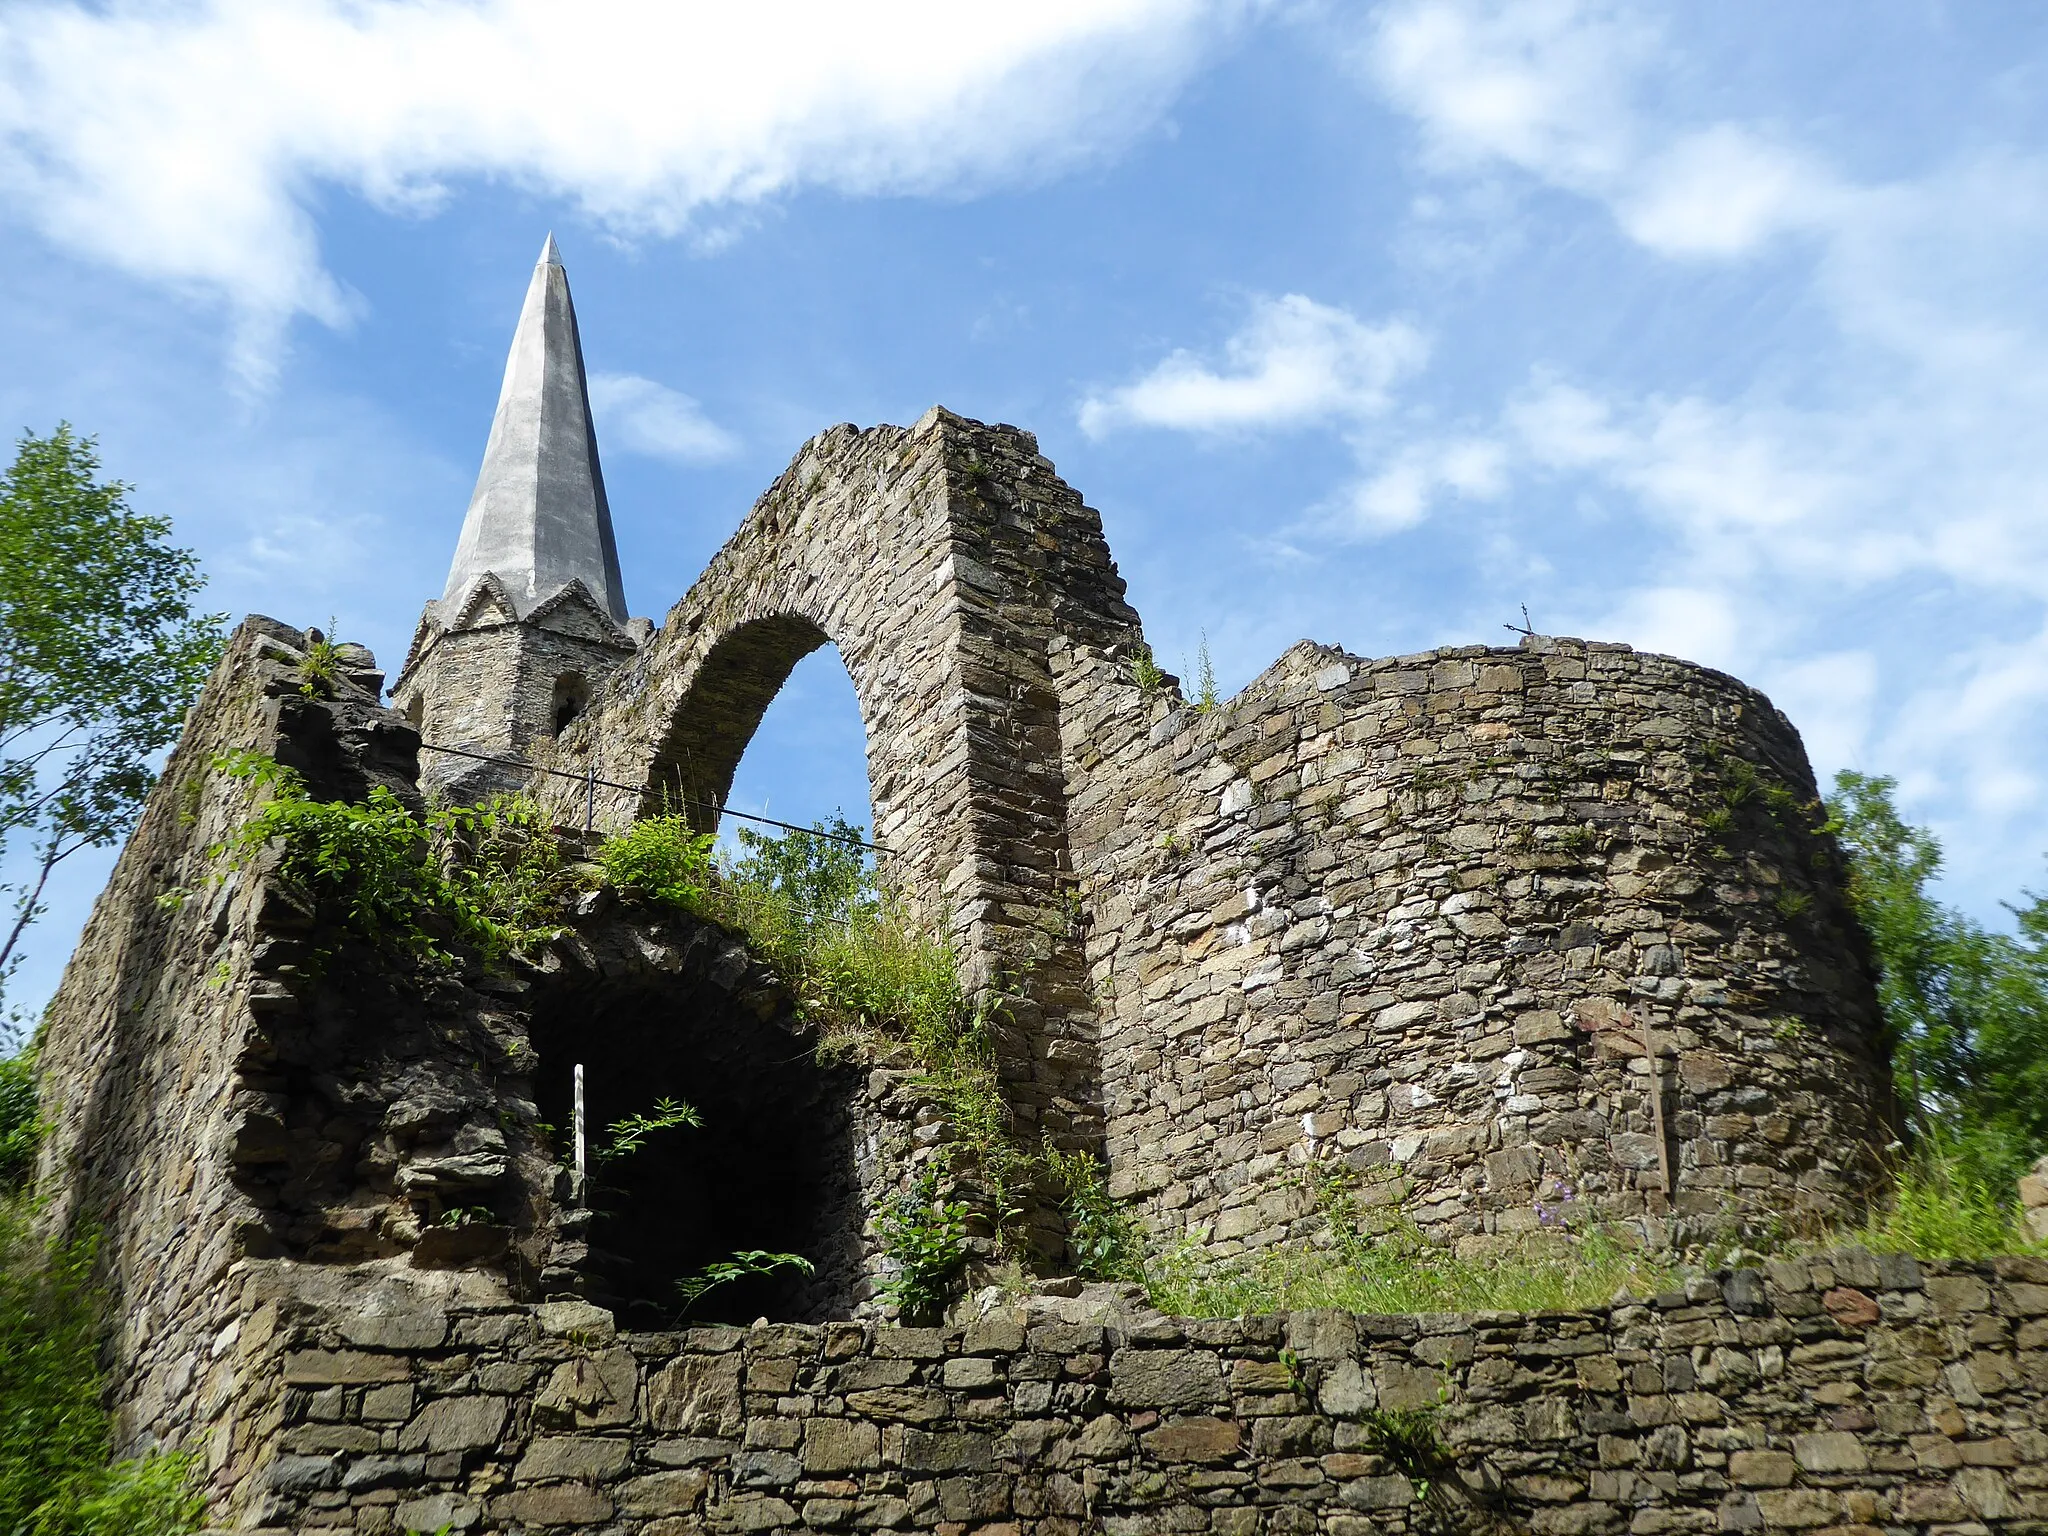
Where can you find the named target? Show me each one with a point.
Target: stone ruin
(1473, 926)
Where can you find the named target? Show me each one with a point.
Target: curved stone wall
(1419, 916)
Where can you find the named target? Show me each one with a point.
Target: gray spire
(538, 518)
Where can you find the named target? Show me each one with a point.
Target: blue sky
(1714, 329)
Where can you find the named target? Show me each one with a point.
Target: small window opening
(772, 1168)
(416, 710)
(572, 697)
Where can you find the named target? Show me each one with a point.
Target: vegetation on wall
(55, 1477)
(1374, 1259)
(102, 654)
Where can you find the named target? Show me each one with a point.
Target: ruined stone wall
(1843, 1392)
(154, 1064)
(942, 561)
(1412, 917)
(227, 1081)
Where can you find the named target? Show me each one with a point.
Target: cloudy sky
(1715, 329)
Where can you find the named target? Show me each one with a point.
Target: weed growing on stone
(1104, 1240)
(1205, 677)
(1145, 671)
(925, 1239)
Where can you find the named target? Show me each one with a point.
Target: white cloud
(642, 416)
(181, 140)
(1401, 493)
(1294, 363)
(1724, 191)
(1540, 84)
(1552, 88)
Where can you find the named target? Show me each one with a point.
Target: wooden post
(1656, 1103)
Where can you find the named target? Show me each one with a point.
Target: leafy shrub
(21, 1125)
(54, 1476)
(492, 874)
(1104, 1241)
(1967, 1007)
(664, 857)
(926, 1241)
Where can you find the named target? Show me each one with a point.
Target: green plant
(320, 667)
(1967, 1007)
(1411, 1442)
(748, 1261)
(491, 875)
(925, 1239)
(1205, 677)
(21, 1122)
(55, 1479)
(468, 1216)
(1378, 1261)
(1792, 905)
(630, 1132)
(1145, 671)
(1939, 1206)
(1103, 1240)
(663, 856)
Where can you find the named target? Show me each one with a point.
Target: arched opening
(572, 697)
(772, 1168)
(728, 697)
(416, 710)
(782, 1161)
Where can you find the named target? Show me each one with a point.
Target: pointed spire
(538, 518)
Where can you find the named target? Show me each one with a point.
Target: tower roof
(538, 518)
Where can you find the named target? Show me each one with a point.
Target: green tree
(100, 652)
(1967, 1006)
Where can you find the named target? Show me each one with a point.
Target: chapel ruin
(1474, 926)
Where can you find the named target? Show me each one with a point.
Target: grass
(55, 1477)
(1937, 1209)
(1401, 1271)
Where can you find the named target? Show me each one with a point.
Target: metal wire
(635, 789)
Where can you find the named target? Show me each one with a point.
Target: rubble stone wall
(942, 560)
(1419, 916)
(1494, 928)
(1843, 1393)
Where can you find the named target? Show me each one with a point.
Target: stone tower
(533, 617)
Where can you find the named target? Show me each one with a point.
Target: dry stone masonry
(1490, 933)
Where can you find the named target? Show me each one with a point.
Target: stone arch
(953, 570)
(734, 685)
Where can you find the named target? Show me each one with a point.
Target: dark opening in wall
(572, 697)
(771, 1169)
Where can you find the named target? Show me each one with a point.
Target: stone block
(1165, 1378)
(662, 1493)
(455, 1424)
(1762, 1469)
(557, 1504)
(1201, 1439)
(1830, 1451)
(841, 1445)
(551, 1457)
